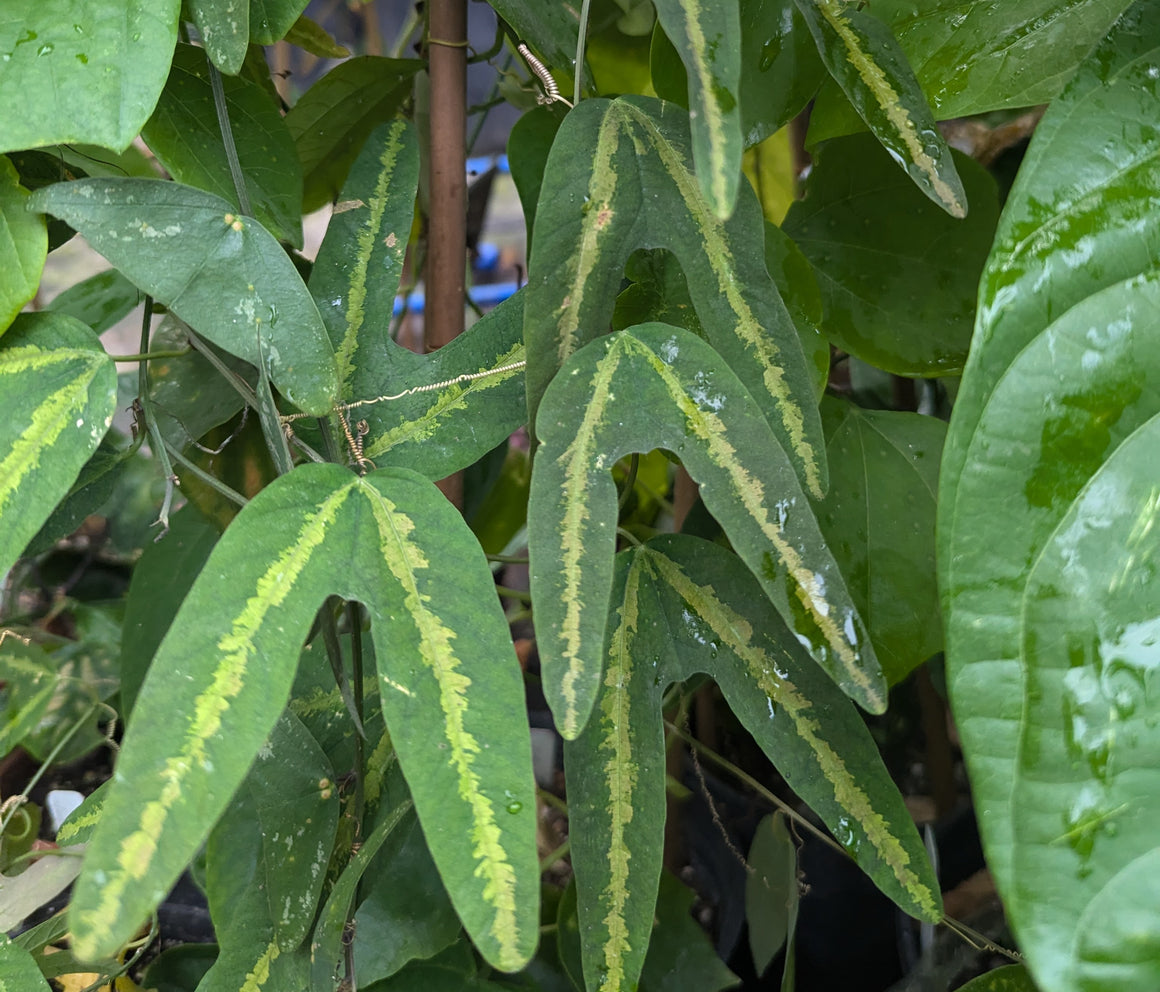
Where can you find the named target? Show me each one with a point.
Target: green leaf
(1055, 410)
(549, 27)
(772, 893)
(224, 275)
(970, 58)
(163, 575)
(287, 811)
(405, 914)
(29, 683)
(224, 26)
(898, 276)
(780, 68)
(670, 618)
(183, 133)
(1012, 978)
(332, 120)
(705, 35)
(83, 72)
(23, 245)
(864, 59)
(529, 145)
(681, 956)
(444, 425)
(223, 673)
(99, 301)
(655, 386)
(59, 390)
(271, 19)
(315, 39)
(610, 159)
(19, 969)
(878, 519)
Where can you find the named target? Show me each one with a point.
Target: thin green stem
(214, 483)
(223, 117)
(156, 441)
(551, 799)
(354, 618)
(517, 594)
(334, 656)
(559, 854)
(148, 356)
(508, 559)
(581, 39)
(629, 481)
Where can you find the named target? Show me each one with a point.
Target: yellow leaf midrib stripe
(736, 634)
(750, 493)
(50, 417)
(715, 122)
(137, 850)
(888, 99)
(577, 463)
(435, 647)
(720, 260)
(620, 775)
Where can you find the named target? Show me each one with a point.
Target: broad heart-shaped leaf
(439, 430)
(58, 391)
(82, 72)
(970, 57)
(780, 68)
(673, 614)
(898, 276)
(449, 680)
(222, 274)
(656, 386)
(23, 246)
(864, 59)
(184, 134)
(706, 36)
(1024, 438)
(618, 179)
(878, 519)
(334, 117)
(1049, 641)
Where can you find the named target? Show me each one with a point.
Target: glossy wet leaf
(780, 68)
(864, 58)
(670, 618)
(223, 675)
(332, 119)
(618, 179)
(86, 73)
(704, 35)
(898, 276)
(878, 519)
(58, 390)
(271, 19)
(23, 245)
(1055, 407)
(972, 57)
(224, 275)
(184, 134)
(548, 26)
(434, 431)
(656, 386)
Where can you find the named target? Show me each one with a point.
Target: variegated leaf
(656, 386)
(671, 618)
(58, 390)
(618, 179)
(705, 35)
(865, 59)
(223, 674)
(354, 281)
(224, 275)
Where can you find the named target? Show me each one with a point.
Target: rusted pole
(447, 223)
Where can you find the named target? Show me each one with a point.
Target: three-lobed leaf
(58, 391)
(1045, 529)
(656, 386)
(618, 179)
(223, 274)
(673, 614)
(223, 674)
